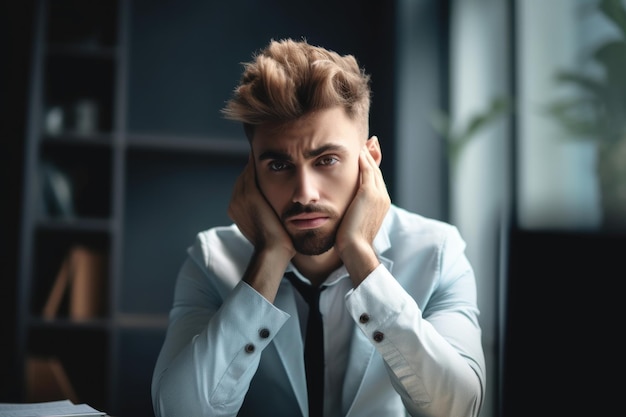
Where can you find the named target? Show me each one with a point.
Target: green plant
(457, 137)
(598, 113)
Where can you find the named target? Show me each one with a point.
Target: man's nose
(306, 189)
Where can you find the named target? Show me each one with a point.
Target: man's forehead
(330, 129)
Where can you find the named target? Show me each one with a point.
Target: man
(398, 302)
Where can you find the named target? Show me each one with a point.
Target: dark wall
(180, 76)
(564, 309)
(353, 27)
(16, 19)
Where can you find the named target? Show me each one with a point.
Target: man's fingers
(370, 171)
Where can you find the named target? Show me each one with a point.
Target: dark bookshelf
(68, 194)
(126, 153)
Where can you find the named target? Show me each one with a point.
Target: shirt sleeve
(212, 347)
(433, 354)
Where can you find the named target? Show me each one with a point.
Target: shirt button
(378, 336)
(264, 333)
(249, 348)
(364, 318)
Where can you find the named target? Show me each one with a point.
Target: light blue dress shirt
(407, 341)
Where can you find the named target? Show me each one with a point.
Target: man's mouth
(308, 220)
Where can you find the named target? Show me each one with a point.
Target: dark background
(16, 28)
(161, 105)
(563, 301)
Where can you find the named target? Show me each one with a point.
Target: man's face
(308, 171)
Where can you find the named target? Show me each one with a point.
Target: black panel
(563, 323)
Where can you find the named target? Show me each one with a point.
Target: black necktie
(313, 346)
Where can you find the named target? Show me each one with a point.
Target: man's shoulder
(401, 219)
(405, 228)
(222, 231)
(221, 252)
(226, 239)
(227, 235)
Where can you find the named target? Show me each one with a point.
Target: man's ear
(374, 147)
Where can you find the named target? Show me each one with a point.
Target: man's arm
(435, 364)
(205, 367)
(364, 216)
(255, 218)
(433, 353)
(213, 345)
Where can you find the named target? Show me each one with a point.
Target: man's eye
(327, 160)
(278, 166)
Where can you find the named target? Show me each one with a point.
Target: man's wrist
(360, 261)
(265, 271)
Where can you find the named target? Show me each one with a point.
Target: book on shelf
(82, 278)
(47, 380)
(58, 291)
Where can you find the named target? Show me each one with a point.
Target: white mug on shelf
(53, 124)
(86, 116)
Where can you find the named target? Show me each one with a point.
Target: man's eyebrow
(275, 155)
(311, 153)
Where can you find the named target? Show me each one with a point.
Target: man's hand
(363, 219)
(259, 223)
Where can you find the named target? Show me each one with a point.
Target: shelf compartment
(73, 351)
(75, 180)
(83, 23)
(71, 276)
(78, 95)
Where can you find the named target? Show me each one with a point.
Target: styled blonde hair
(288, 79)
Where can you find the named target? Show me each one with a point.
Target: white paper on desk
(63, 408)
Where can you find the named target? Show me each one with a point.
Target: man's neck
(317, 268)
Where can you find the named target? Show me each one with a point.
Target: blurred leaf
(614, 11)
(612, 56)
(457, 138)
(582, 81)
(497, 107)
(576, 116)
(600, 112)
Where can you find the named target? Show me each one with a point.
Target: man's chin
(312, 252)
(313, 243)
